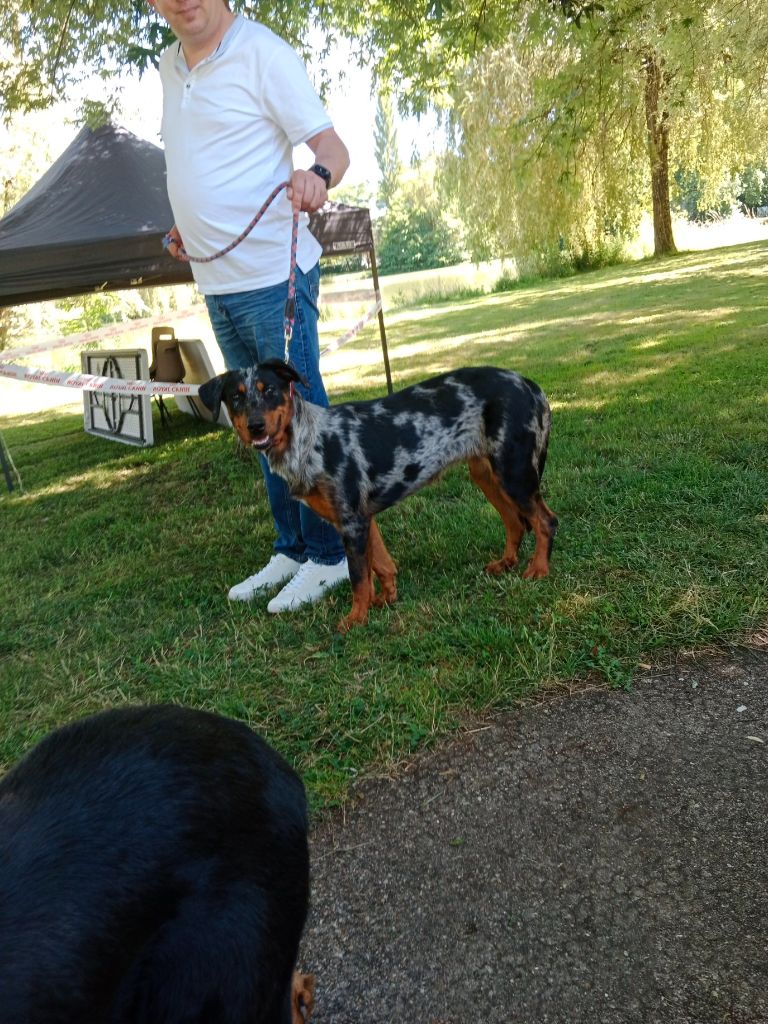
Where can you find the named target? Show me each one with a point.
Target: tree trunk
(657, 123)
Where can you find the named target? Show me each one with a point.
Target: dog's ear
(284, 371)
(210, 394)
(302, 997)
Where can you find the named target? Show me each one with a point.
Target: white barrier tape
(111, 331)
(89, 382)
(126, 326)
(119, 386)
(354, 330)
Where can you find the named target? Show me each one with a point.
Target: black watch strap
(322, 172)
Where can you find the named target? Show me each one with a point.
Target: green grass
(116, 561)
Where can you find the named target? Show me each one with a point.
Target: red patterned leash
(290, 304)
(184, 256)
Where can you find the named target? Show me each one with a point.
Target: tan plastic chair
(167, 364)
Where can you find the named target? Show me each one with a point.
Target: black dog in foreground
(353, 460)
(153, 868)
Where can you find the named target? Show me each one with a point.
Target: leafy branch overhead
(568, 118)
(52, 44)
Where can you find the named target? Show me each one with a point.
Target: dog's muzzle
(259, 437)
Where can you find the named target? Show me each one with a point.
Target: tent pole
(5, 463)
(385, 353)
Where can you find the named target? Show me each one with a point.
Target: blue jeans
(249, 328)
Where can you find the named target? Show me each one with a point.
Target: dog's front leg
(355, 534)
(383, 567)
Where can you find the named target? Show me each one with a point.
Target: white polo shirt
(229, 127)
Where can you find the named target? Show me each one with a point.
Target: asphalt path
(597, 858)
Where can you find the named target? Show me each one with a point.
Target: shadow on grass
(50, 448)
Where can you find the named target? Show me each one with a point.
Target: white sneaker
(310, 583)
(277, 570)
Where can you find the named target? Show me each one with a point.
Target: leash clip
(288, 319)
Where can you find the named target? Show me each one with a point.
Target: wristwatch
(322, 172)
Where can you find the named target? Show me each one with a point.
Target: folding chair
(167, 364)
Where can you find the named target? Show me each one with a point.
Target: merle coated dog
(353, 460)
(153, 868)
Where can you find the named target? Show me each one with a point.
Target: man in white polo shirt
(236, 100)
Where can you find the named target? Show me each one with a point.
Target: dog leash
(290, 303)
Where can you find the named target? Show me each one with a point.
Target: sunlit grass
(116, 561)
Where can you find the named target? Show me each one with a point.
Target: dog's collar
(291, 390)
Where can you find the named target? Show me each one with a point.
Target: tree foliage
(49, 45)
(570, 127)
(569, 115)
(689, 197)
(747, 190)
(530, 171)
(753, 187)
(419, 48)
(417, 232)
(386, 149)
(415, 48)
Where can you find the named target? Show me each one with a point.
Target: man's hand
(306, 191)
(174, 242)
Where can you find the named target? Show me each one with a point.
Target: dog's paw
(536, 570)
(350, 621)
(387, 596)
(501, 566)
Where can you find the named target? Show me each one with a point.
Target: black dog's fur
(153, 868)
(354, 460)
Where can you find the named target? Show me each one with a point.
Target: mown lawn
(116, 561)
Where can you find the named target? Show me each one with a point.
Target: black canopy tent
(96, 219)
(93, 222)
